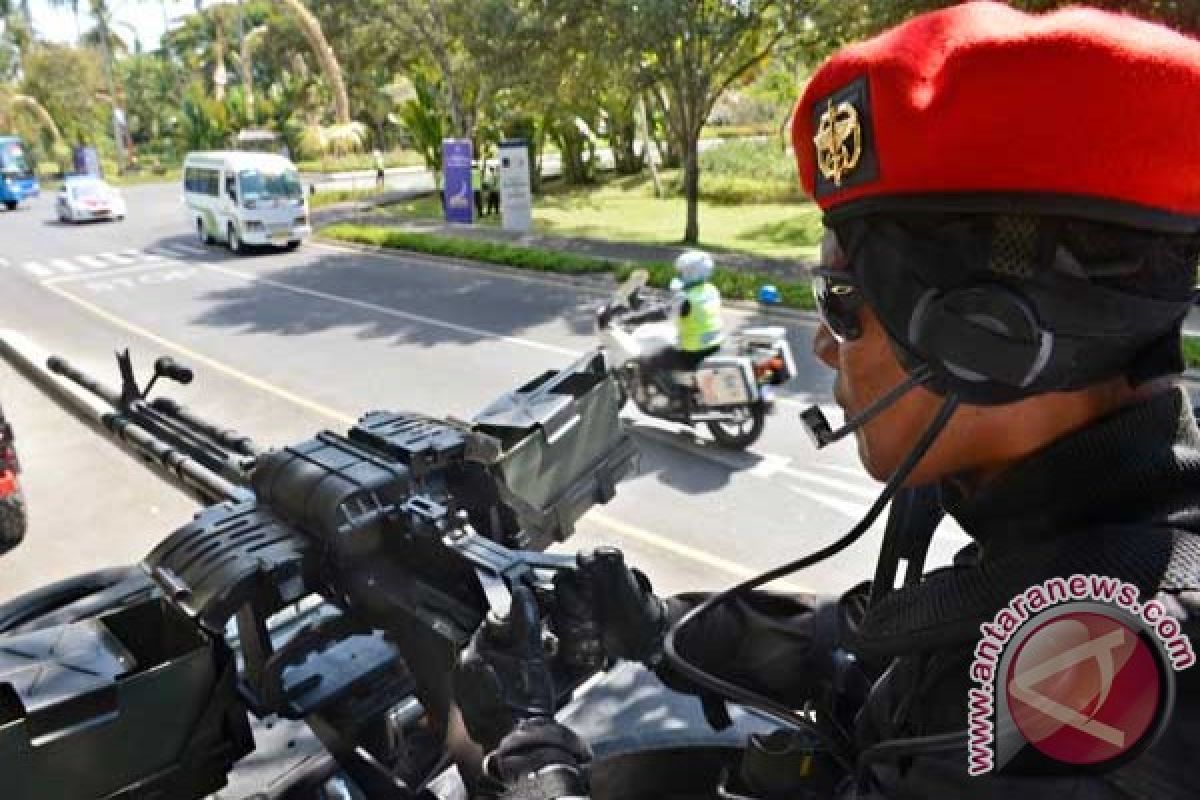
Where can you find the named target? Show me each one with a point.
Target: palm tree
(12, 102)
(311, 28)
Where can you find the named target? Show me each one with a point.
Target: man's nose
(825, 347)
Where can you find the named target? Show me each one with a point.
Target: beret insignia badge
(839, 141)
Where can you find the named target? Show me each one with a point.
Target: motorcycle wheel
(742, 433)
(12, 521)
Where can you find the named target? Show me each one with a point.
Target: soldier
(1012, 234)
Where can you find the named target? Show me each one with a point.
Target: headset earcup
(940, 320)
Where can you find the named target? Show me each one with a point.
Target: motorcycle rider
(696, 311)
(1013, 234)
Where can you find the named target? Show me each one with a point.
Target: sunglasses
(836, 292)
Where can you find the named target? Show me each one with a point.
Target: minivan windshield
(260, 185)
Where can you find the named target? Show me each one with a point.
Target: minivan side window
(202, 181)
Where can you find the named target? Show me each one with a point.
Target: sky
(144, 16)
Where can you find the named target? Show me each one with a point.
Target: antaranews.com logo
(1074, 670)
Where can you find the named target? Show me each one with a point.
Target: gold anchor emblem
(838, 141)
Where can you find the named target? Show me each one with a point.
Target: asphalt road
(285, 344)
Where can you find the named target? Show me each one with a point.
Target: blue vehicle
(17, 180)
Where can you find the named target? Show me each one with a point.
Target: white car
(85, 198)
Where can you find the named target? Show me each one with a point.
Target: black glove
(503, 676)
(630, 618)
(539, 760)
(628, 621)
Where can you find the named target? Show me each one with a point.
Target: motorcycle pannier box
(725, 381)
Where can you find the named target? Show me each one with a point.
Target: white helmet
(694, 266)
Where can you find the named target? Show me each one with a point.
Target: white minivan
(243, 198)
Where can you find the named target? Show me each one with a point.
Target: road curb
(596, 283)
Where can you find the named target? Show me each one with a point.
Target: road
(285, 344)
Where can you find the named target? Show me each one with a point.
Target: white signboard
(516, 196)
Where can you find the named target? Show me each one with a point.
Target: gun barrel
(176, 454)
(172, 463)
(60, 366)
(226, 437)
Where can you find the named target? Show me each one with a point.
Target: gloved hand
(628, 621)
(539, 760)
(503, 676)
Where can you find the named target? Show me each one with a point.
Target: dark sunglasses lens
(837, 299)
(836, 303)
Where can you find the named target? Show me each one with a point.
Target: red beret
(982, 108)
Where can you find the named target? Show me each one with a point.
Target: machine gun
(393, 539)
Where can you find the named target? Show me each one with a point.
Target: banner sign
(457, 196)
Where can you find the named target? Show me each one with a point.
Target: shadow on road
(408, 303)
(671, 457)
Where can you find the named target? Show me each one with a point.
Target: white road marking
(34, 268)
(834, 483)
(141, 255)
(187, 248)
(852, 510)
(391, 312)
(64, 265)
(116, 258)
(145, 277)
(857, 472)
(93, 262)
(114, 272)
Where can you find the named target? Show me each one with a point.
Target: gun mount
(396, 536)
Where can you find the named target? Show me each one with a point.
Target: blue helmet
(694, 266)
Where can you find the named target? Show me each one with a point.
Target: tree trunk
(623, 136)
(651, 158)
(41, 113)
(324, 53)
(691, 186)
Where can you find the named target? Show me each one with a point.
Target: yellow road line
(257, 383)
(683, 550)
(616, 526)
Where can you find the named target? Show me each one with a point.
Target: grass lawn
(625, 209)
(361, 161)
(172, 175)
(333, 196)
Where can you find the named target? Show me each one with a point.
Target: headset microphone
(823, 434)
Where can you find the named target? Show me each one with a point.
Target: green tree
(68, 82)
(424, 121)
(693, 50)
(151, 97)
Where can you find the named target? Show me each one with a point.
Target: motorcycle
(731, 392)
(295, 639)
(12, 499)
